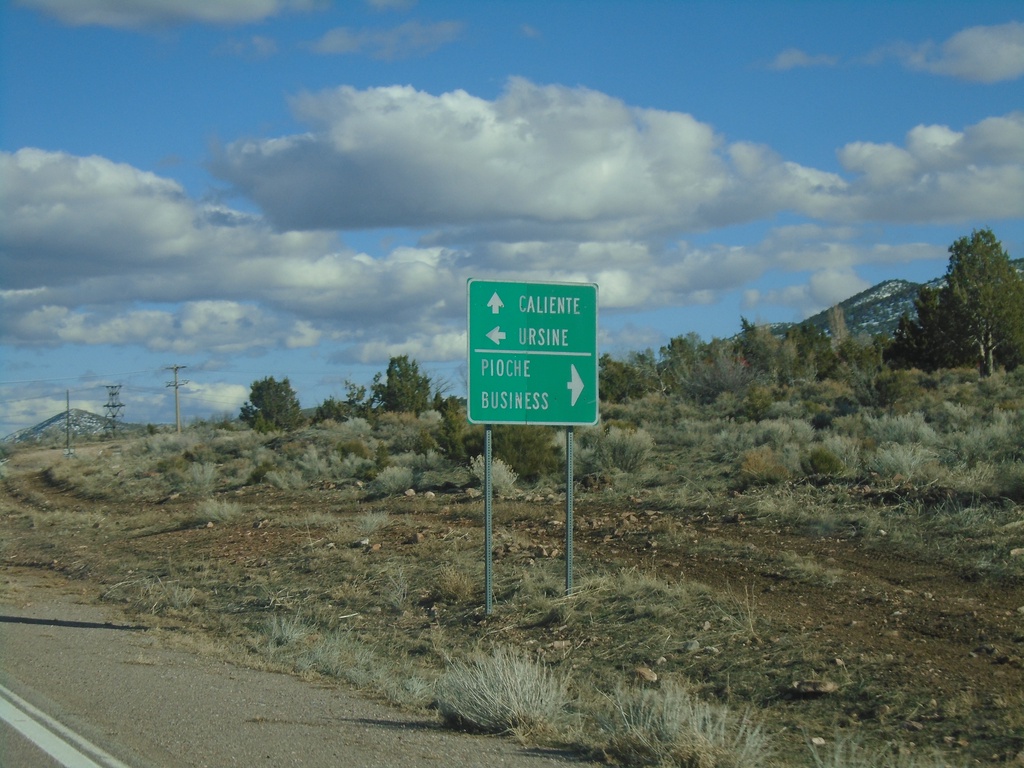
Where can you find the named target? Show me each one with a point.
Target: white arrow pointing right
(575, 385)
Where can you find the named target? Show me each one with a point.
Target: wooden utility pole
(176, 384)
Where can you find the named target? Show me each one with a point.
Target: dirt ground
(955, 643)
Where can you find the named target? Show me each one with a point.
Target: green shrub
(895, 388)
(757, 402)
(530, 451)
(845, 448)
(821, 461)
(779, 433)
(260, 472)
(354, 447)
(407, 432)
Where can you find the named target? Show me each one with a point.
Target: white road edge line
(57, 740)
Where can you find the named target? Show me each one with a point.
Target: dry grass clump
(905, 429)
(763, 466)
(670, 726)
(372, 521)
(155, 596)
(201, 478)
(217, 511)
(905, 461)
(503, 477)
(455, 584)
(391, 481)
(627, 450)
(286, 479)
(506, 692)
(340, 654)
(283, 631)
(846, 752)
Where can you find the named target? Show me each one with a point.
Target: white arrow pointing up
(496, 334)
(575, 384)
(495, 303)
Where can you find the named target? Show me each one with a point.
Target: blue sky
(302, 188)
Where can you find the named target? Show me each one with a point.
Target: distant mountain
(878, 309)
(54, 430)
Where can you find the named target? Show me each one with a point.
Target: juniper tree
(975, 318)
(272, 405)
(403, 389)
(984, 295)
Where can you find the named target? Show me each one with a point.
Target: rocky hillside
(83, 424)
(878, 309)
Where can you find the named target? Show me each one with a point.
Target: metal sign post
(568, 510)
(532, 359)
(488, 527)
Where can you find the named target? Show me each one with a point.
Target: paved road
(150, 706)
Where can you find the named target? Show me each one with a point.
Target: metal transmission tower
(114, 406)
(176, 384)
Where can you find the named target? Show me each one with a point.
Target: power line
(74, 378)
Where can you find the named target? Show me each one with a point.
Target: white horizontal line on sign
(531, 352)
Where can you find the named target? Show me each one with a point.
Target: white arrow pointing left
(496, 334)
(575, 385)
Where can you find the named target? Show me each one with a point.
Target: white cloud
(830, 286)
(407, 40)
(553, 163)
(543, 183)
(203, 397)
(100, 253)
(940, 175)
(980, 54)
(823, 289)
(220, 327)
(794, 58)
(537, 163)
(450, 345)
(142, 13)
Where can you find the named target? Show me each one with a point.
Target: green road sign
(532, 353)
